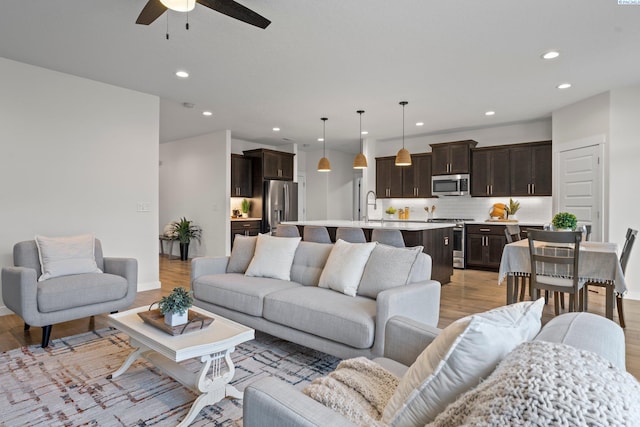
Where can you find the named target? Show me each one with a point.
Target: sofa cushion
(242, 253)
(63, 293)
(309, 262)
(388, 267)
(237, 291)
(466, 352)
(63, 256)
(273, 257)
(345, 265)
(326, 313)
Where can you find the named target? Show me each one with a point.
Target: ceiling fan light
(179, 5)
(324, 165)
(360, 161)
(403, 158)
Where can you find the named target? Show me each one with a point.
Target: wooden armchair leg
(26, 326)
(556, 303)
(561, 297)
(620, 312)
(523, 287)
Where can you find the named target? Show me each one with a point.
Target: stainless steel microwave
(450, 185)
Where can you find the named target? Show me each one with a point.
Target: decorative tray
(196, 322)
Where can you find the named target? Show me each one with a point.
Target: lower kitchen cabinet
(249, 227)
(484, 246)
(438, 244)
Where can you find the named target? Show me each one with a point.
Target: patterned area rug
(66, 385)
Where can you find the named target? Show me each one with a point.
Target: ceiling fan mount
(155, 8)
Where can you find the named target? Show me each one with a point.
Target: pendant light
(403, 158)
(360, 162)
(323, 164)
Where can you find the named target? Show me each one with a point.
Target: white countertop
(377, 224)
(520, 223)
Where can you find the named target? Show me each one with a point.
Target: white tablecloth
(598, 263)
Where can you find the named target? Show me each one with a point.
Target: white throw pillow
(63, 256)
(345, 265)
(388, 267)
(273, 257)
(464, 353)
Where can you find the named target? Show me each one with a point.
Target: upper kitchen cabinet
(416, 179)
(531, 169)
(451, 157)
(388, 178)
(490, 172)
(273, 164)
(241, 178)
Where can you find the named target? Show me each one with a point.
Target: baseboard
(632, 295)
(4, 310)
(148, 286)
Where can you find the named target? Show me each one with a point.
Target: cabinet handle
(485, 230)
(446, 241)
(486, 190)
(246, 225)
(533, 189)
(490, 189)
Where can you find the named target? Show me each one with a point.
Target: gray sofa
(271, 402)
(301, 312)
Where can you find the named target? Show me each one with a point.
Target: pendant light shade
(403, 158)
(323, 164)
(360, 162)
(179, 5)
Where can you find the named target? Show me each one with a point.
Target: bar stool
(350, 234)
(388, 237)
(287, 231)
(316, 233)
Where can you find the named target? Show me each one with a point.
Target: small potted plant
(512, 208)
(184, 230)
(175, 306)
(245, 208)
(564, 221)
(390, 211)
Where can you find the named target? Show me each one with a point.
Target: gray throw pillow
(242, 253)
(388, 267)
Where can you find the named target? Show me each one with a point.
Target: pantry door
(579, 183)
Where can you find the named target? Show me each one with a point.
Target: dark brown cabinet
(531, 171)
(484, 245)
(437, 243)
(490, 172)
(451, 157)
(247, 228)
(388, 178)
(416, 179)
(272, 164)
(241, 179)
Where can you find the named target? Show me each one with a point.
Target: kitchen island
(436, 238)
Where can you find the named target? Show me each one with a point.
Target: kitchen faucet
(375, 204)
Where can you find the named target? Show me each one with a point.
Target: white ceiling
(451, 59)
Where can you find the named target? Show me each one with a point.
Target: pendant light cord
(324, 138)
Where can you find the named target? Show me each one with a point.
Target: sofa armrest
(19, 291)
(270, 402)
(419, 301)
(202, 266)
(125, 267)
(406, 338)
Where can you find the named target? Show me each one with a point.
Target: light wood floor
(470, 291)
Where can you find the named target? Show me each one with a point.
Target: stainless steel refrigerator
(279, 203)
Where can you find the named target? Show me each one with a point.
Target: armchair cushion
(62, 256)
(242, 253)
(62, 293)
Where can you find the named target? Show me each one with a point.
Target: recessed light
(420, 124)
(364, 132)
(552, 54)
(564, 86)
(276, 129)
(182, 74)
(320, 139)
(207, 113)
(490, 113)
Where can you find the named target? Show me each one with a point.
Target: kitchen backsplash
(532, 209)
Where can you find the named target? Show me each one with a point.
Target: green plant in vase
(512, 208)
(246, 205)
(390, 211)
(185, 230)
(564, 221)
(175, 306)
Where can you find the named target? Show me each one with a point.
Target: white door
(579, 184)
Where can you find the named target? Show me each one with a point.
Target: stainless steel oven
(458, 239)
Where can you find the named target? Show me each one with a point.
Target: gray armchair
(65, 298)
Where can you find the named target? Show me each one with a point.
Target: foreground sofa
(270, 402)
(300, 311)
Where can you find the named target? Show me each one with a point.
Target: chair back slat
(512, 232)
(626, 250)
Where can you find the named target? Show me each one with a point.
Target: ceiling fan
(154, 8)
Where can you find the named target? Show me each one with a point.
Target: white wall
(78, 156)
(329, 194)
(195, 180)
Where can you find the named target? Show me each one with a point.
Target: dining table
(598, 263)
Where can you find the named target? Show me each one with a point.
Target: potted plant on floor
(564, 221)
(185, 230)
(175, 306)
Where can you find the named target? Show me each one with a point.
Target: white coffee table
(212, 345)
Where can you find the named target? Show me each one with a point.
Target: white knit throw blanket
(359, 389)
(548, 384)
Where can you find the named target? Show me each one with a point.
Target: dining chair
(610, 286)
(350, 234)
(316, 233)
(554, 266)
(512, 232)
(388, 237)
(287, 231)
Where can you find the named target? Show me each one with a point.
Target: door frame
(600, 141)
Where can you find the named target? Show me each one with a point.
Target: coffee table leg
(127, 363)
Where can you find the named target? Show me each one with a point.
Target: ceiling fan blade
(151, 11)
(237, 11)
